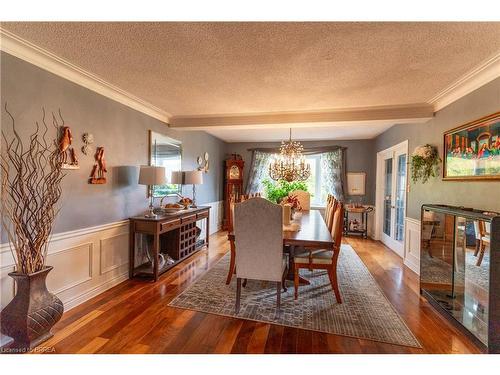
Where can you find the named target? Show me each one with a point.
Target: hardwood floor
(133, 317)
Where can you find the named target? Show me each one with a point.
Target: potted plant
(276, 191)
(31, 187)
(424, 163)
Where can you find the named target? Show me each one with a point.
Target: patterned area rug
(365, 312)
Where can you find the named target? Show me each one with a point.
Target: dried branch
(31, 187)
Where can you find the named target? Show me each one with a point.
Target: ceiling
(197, 69)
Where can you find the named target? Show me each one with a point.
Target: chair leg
(476, 250)
(283, 280)
(278, 298)
(332, 274)
(482, 249)
(232, 265)
(296, 281)
(245, 283)
(238, 294)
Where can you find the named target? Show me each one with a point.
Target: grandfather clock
(233, 185)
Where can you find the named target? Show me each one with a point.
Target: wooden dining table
(312, 235)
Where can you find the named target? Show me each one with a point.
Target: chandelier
(290, 165)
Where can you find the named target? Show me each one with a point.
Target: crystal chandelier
(290, 165)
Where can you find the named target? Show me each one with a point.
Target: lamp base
(151, 214)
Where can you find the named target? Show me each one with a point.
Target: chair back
(258, 232)
(331, 210)
(328, 207)
(304, 199)
(338, 224)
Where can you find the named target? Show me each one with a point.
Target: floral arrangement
(293, 201)
(424, 163)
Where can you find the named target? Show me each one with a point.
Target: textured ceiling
(220, 68)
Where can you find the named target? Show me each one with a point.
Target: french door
(392, 166)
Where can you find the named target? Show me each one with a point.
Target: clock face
(234, 173)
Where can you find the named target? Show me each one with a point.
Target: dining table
(311, 234)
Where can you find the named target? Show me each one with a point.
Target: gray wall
(359, 158)
(478, 194)
(121, 130)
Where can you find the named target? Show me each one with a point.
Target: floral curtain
(258, 172)
(333, 172)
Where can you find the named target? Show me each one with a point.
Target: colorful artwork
(472, 151)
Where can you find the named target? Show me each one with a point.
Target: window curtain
(258, 171)
(333, 172)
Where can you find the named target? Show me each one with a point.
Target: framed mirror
(165, 152)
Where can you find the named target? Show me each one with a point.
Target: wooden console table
(172, 234)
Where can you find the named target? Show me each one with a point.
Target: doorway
(392, 171)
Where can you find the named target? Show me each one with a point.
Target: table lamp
(193, 178)
(151, 176)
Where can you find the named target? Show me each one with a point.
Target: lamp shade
(194, 178)
(177, 178)
(150, 175)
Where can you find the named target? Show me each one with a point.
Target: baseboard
(85, 296)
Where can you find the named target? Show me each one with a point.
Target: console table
(363, 211)
(172, 234)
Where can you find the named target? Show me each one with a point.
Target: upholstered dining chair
(323, 259)
(304, 198)
(258, 231)
(482, 231)
(232, 264)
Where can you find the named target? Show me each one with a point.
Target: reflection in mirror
(455, 267)
(165, 152)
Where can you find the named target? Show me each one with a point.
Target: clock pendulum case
(233, 185)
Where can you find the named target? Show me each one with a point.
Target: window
(314, 185)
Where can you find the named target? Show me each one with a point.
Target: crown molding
(27, 51)
(479, 76)
(397, 114)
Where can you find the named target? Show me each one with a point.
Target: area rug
(365, 312)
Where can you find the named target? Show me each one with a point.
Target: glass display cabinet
(460, 269)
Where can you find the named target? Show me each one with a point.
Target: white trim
(4, 247)
(479, 76)
(412, 244)
(27, 51)
(379, 193)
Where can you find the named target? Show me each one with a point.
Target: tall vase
(33, 311)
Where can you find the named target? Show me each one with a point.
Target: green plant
(276, 191)
(424, 163)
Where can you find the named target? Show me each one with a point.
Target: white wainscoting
(412, 244)
(86, 261)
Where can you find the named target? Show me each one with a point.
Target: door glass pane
(388, 197)
(400, 197)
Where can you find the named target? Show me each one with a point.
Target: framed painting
(356, 183)
(472, 151)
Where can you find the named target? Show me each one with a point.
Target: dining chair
(259, 257)
(304, 198)
(482, 231)
(323, 259)
(331, 205)
(232, 263)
